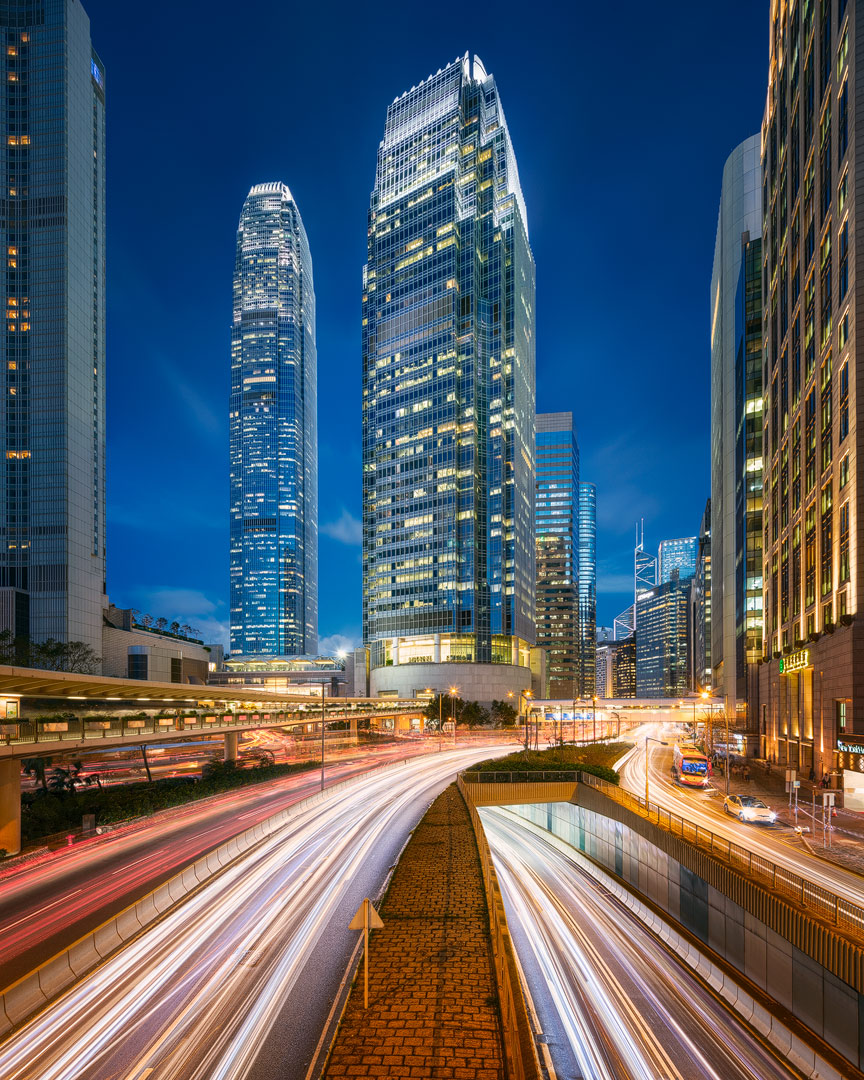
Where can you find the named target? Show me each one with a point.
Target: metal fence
(815, 899)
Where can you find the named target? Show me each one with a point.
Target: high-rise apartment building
(557, 510)
(587, 584)
(448, 397)
(52, 559)
(273, 433)
(677, 555)
(809, 689)
(736, 427)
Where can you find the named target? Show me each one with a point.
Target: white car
(749, 808)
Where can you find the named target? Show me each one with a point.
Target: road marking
(128, 866)
(33, 914)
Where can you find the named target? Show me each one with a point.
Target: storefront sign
(850, 755)
(797, 661)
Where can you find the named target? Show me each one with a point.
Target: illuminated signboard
(850, 755)
(796, 662)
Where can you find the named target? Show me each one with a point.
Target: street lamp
(594, 719)
(454, 690)
(526, 694)
(660, 742)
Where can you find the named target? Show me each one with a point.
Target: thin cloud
(347, 529)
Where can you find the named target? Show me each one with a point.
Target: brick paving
(433, 1002)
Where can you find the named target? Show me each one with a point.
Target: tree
(161, 623)
(441, 705)
(175, 627)
(474, 714)
(35, 767)
(503, 713)
(55, 655)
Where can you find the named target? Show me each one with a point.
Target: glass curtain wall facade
(273, 432)
(448, 384)
(587, 586)
(662, 640)
(558, 550)
(53, 412)
(677, 555)
(812, 529)
(701, 607)
(736, 427)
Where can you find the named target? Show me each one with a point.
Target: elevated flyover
(52, 712)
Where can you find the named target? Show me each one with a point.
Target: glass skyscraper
(662, 640)
(52, 559)
(273, 432)
(677, 555)
(587, 586)
(558, 551)
(448, 393)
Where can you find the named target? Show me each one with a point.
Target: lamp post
(454, 690)
(594, 719)
(526, 694)
(660, 742)
(322, 734)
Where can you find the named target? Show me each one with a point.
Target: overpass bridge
(53, 712)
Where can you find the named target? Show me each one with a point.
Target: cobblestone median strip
(433, 1000)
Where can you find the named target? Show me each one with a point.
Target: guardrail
(522, 1062)
(818, 901)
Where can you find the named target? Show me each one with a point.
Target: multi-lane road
(614, 1003)
(777, 843)
(47, 905)
(236, 981)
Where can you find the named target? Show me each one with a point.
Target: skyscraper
(662, 639)
(558, 511)
(700, 605)
(52, 560)
(809, 688)
(273, 432)
(677, 555)
(736, 427)
(448, 397)
(587, 585)
(644, 565)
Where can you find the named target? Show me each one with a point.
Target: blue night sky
(621, 118)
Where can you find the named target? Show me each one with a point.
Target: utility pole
(322, 734)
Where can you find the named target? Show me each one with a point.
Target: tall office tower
(677, 555)
(624, 669)
(662, 640)
(603, 669)
(736, 427)
(587, 584)
(448, 398)
(52, 559)
(273, 432)
(644, 565)
(624, 625)
(700, 603)
(557, 512)
(812, 177)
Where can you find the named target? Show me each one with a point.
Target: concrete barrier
(808, 1060)
(33, 991)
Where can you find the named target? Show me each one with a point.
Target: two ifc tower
(448, 408)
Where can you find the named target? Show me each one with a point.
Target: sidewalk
(847, 834)
(433, 1002)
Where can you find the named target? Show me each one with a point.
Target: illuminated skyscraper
(557, 510)
(587, 586)
(52, 559)
(273, 432)
(677, 555)
(448, 397)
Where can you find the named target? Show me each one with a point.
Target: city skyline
(195, 586)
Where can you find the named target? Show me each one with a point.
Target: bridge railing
(817, 900)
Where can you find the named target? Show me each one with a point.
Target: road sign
(366, 918)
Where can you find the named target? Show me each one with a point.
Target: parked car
(749, 808)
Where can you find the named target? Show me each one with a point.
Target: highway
(48, 904)
(778, 843)
(238, 980)
(613, 1002)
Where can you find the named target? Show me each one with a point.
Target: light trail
(194, 997)
(628, 1008)
(706, 810)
